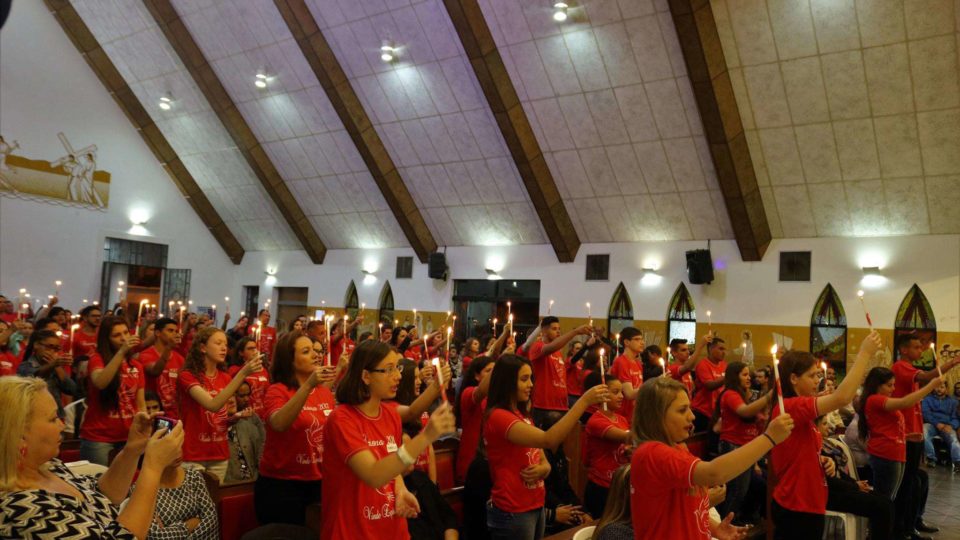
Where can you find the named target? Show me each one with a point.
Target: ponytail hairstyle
(470, 380)
(617, 509)
(650, 409)
(877, 377)
(109, 396)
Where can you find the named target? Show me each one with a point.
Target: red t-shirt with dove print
(204, 432)
(297, 453)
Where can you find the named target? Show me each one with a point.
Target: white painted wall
(46, 87)
(742, 292)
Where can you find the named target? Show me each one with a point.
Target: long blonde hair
(617, 509)
(650, 409)
(17, 398)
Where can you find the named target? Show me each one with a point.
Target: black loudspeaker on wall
(699, 266)
(437, 266)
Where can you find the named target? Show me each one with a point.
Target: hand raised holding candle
(445, 375)
(441, 422)
(780, 428)
(253, 366)
(871, 344)
(598, 394)
(322, 375)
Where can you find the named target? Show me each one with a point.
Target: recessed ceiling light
(388, 53)
(560, 11)
(261, 80)
(165, 103)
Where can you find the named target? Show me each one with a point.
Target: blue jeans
(98, 452)
(950, 437)
(886, 476)
(509, 526)
(736, 488)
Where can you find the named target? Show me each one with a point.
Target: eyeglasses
(55, 347)
(388, 371)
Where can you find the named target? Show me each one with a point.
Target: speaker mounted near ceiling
(700, 266)
(437, 266)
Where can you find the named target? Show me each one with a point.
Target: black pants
(595, 499)
(846, 497)
(790, 525)
(284, 501)
(907, 501)
(923, 486)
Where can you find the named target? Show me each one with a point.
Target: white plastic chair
(585, 533)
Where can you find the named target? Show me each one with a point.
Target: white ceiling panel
(292, 117)
(430, 113)
(150, 67)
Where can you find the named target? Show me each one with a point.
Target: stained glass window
(620, 314)
(916, 316)
(828, 331)
(682, 316)
(386, 305)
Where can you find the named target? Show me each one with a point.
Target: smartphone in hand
(161, 422)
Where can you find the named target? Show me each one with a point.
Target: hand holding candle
(439, 369)
(603, 374)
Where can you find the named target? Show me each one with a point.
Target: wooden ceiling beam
(177, 33)
(357, 122)
(722, 125)
(501, 95)
(88, 46)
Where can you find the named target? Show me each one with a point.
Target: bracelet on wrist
(405, 456)
(769, 438)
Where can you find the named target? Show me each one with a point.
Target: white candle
(865, 312)
(436, 366)
(494, 327)
(603, 375)
(449, 339)
(663, 366)
(776, 377)
(550, 307)
(936, 358)
(73, 330)
(58, 283)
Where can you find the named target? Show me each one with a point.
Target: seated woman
(615, 523)
(41, 498)
(185, 510)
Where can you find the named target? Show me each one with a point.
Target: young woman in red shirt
(114, 391)
(468, 409)
(883, 428)
(800, 496)
(203, 388)
(407, 392)
(514, 449)
(741, 421)
(608, 448)
(364, 454)
(470, 350)
(295, 408)
(669, 499)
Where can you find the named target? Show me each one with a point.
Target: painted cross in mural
(73, 178)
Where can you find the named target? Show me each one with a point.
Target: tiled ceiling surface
(613, 110)
(148, 64)
(852, 111)
(293, 119)
(432, 116)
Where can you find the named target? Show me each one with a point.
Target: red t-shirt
(604, 456)
(705, 400)
(103, 425)
(471, 416)
(574, 377)
(888, 434)
(465, 363)
(510, 493)
(336, 349)
(268, 336)
(165, 384)
(8, 363)
(258, 382)
(801, 484)
(9, 317)
(414, 353)
(664, 502)
(205, 432)
(905, 382)
(549, 379)
(295, 454)
(686, 379)
(351, 508)
(630, 371)
(84, 344)
(733, 428)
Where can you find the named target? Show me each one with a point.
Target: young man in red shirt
(907, 379)
(681, 369)
(85, 338)
(162, 363)
(629, 369)
(709, 377)
(268, 335)
(7, 313)
(549, 372)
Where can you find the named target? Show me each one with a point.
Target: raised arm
(215, 403)
(283, 418)
(101, 378)
(911, 399)
(752, 409)
(428, 396)
(561, 342)
(727, 466)
(847, 390)
(523, 434)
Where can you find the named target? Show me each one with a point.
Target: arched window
(351, 304)
(828, 330)
(682, 317)
(386, 305)
(620, 314)
(916, 316)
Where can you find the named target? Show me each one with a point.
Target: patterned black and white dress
(39, 514)
(176, 505)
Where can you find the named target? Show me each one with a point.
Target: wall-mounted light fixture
(492, 274)
(560, 11)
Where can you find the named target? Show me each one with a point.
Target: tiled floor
(943, 503)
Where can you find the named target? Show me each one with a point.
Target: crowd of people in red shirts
(348, 421)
